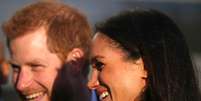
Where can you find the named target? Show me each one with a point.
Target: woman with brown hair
(142, 55)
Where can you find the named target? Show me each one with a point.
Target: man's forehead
(38, 35)
(30, 45)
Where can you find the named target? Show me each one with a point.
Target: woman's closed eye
(98, 65)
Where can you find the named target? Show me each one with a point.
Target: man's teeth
(35, 95)
(103, 95)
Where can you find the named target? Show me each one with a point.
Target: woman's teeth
(33, 96)
(103, 95)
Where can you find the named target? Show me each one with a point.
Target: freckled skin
(36, 67)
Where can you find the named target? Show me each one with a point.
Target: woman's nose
(93, 81)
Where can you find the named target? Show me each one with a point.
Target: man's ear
(74, 59)
(75, 55)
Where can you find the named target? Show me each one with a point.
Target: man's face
(35, 68)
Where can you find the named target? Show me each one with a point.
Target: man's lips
(33, 96)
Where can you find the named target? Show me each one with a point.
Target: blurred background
(186, 13)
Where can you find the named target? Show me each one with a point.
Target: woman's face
(114, 77)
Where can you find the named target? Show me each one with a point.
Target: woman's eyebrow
(97, 57)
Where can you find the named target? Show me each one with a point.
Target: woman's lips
(103, 95)
(102, 92)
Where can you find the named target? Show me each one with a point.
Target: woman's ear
(141, 67)
(145, 74)
(75, 55)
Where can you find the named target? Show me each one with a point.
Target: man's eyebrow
(12, 62)
(36, 61)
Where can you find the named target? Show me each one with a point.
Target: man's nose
(93, 81)
(24, 79)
